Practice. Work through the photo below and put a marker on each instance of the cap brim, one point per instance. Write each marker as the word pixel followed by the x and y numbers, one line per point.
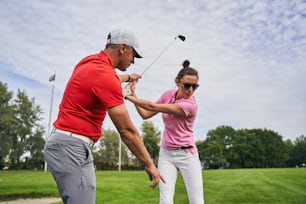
pixel 136 54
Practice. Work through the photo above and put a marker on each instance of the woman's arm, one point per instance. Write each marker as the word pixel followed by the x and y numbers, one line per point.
pixel 144 113
pixel 148 109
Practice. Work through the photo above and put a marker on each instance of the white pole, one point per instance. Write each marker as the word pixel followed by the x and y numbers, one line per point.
pixel 50 114
pixel 119 163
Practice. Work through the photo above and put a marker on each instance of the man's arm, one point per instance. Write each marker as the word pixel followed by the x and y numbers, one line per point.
pixel 129 78
pixel 130 136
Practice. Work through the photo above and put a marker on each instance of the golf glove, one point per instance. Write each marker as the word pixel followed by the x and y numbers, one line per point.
pixel 126 91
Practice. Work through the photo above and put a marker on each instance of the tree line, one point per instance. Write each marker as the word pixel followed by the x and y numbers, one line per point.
pixel 22 142
pixel 226 147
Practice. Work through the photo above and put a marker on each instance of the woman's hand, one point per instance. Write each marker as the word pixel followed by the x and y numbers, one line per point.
pixel 132 86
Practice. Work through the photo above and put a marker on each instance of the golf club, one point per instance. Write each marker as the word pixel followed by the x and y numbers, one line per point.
pixel 181 37
pixel 127 90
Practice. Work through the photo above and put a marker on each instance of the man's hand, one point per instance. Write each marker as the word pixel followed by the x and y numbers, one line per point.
pixel 126 91
pixel 129 78
pixel 154 176
pixel 134 77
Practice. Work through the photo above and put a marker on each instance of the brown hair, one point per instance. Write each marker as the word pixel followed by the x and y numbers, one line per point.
pixel 186 70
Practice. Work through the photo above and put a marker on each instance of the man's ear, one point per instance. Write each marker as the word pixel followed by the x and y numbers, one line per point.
pixel 122 49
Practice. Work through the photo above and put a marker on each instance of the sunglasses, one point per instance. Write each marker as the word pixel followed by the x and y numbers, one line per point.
pixel 187 86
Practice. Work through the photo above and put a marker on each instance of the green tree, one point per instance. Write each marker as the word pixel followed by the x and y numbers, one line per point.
pixel 201 149
pixel 107 154
pixel 27 115
pixel 289 148
pixel 218 142
pixel 7 120
pixel 298 152
pixel 35 145
pixel 151 139
pixel 201 146
pixel 245 150
pixel 226 147
pixel 274 152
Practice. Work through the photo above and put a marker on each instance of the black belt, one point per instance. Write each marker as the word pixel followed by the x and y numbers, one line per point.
pixel 185 147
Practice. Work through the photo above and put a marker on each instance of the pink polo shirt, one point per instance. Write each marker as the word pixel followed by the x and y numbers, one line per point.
pixel 178 130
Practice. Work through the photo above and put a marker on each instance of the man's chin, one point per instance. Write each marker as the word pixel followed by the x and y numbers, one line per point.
pixel 123 69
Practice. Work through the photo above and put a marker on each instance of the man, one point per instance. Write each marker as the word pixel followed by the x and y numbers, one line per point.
pixel 93 90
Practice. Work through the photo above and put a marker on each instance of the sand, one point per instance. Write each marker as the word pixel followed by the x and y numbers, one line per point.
pixel 33 201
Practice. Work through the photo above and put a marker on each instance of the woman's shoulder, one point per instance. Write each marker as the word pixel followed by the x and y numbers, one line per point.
pixel 170 92
pixel 167 96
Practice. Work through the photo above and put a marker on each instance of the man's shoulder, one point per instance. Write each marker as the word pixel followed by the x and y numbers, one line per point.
pixel 102 57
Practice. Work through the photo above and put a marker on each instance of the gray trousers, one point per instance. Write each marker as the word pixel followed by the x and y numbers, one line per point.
pixel 71 163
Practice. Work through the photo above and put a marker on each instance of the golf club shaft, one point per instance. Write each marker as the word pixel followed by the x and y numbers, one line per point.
pixel 158 56
pixel 127 90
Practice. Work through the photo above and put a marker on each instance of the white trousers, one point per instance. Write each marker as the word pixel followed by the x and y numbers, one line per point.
pixel 170 161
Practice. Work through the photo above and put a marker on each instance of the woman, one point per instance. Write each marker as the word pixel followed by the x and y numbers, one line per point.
pixel 178 150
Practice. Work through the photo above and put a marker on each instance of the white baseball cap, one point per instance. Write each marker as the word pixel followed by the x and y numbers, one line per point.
pixel 122 36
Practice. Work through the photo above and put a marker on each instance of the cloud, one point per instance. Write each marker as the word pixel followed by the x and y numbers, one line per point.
pixel 250 55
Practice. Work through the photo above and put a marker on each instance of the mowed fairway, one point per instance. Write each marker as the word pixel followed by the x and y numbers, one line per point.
pixel 244 186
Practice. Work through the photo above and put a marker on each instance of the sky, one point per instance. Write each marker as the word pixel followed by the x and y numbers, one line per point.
pixel 251 55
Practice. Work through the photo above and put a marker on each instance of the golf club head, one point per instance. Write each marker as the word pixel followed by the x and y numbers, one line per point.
pixel 183 38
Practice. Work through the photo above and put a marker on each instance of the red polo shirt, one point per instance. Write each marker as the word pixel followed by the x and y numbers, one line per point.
pixel 93 87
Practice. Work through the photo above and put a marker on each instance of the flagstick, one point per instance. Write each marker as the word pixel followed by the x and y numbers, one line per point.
pixel 119 163
pixel 50 114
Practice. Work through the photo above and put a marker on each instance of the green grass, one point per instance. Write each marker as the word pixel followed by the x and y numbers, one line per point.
pixel 26 184
pixel 241 186
pixel 250 186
